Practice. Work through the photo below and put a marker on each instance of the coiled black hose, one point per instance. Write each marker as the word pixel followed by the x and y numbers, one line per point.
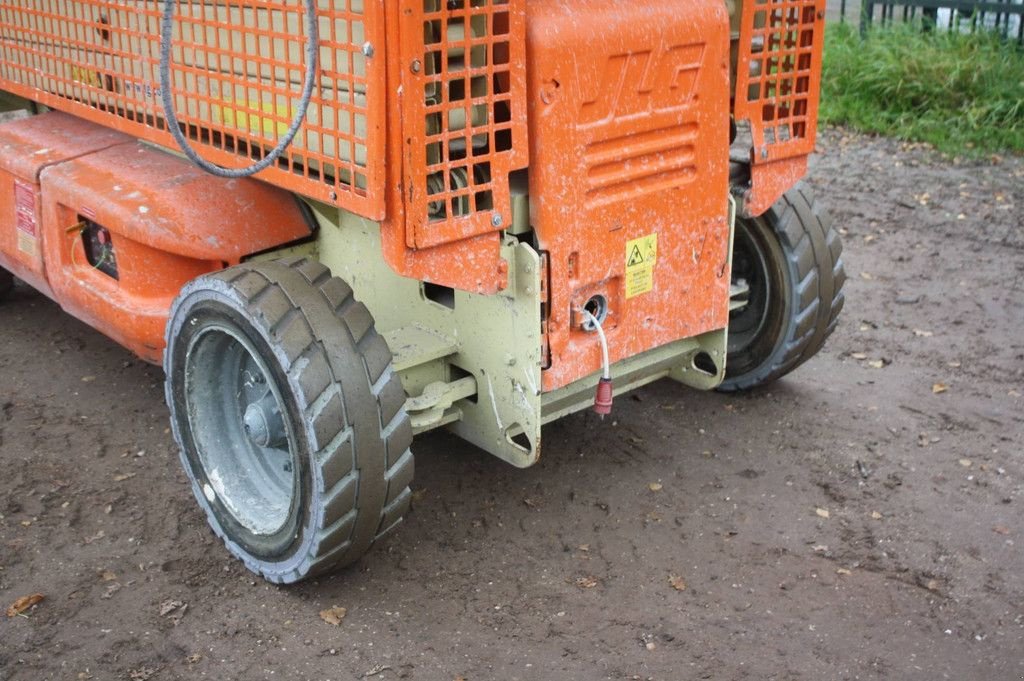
pixel 171 116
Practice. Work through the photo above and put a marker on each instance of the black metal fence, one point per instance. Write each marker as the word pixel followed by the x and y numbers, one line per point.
pixel 1005 17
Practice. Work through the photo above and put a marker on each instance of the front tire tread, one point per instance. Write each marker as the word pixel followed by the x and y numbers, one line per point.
pixel 813 250
pixel 344 402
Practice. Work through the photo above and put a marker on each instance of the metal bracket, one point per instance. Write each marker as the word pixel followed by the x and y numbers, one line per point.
pixel 428 409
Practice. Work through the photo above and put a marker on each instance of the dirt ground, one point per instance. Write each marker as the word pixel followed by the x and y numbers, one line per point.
pixel 861 519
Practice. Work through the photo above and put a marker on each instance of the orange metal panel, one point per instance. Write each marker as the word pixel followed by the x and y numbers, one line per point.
pixel 27 146
pixel 769 181
pixel 169 223
pixel 237 70
pixel 629 148
pixel 166 203
pixel 458 117
pixel 462 131
pixel 778 83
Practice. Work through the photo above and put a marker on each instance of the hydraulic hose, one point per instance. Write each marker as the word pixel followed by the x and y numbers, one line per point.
pixel 171 116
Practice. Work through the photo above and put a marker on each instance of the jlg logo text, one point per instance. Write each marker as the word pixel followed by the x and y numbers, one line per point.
pixel 641 83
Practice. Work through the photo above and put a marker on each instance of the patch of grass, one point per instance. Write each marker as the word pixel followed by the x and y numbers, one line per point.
pixel 964 94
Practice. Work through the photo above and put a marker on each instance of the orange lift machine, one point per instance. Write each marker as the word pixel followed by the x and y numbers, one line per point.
pixel 339 223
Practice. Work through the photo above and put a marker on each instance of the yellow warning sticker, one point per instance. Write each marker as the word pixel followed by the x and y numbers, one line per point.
pixel 641 256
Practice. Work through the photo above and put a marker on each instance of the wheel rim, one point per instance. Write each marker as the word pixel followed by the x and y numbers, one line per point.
pixel 750 266
pixel 243 435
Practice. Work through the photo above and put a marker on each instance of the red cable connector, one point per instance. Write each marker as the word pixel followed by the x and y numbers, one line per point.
pixel 603 399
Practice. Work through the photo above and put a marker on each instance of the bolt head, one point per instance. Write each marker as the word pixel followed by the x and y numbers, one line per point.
pixel 256 426
pixel 496 219
pixel 368 50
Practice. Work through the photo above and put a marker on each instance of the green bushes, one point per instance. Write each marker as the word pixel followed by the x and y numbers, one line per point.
pixel 961 93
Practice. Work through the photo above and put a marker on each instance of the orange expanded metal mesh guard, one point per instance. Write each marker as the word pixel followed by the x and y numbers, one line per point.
pixel 777 88
pixel 237 71
pixel 465 116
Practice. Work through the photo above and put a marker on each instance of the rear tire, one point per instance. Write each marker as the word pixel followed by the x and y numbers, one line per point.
pixel 289 416
pixel 791 259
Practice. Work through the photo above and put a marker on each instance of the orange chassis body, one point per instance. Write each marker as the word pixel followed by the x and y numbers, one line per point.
pixel 430 118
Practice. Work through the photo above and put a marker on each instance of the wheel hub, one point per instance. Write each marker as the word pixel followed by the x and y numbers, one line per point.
pixel 750 291
pixel 264 424
pixel 241 430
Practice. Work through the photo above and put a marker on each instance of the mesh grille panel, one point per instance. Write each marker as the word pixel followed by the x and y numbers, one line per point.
pixel 778 75
pixel 237 75
pixel 467 115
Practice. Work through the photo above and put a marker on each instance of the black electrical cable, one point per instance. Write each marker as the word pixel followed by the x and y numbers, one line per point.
pixel 171 116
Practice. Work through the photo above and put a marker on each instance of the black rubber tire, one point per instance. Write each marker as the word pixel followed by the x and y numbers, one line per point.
pixel 345 401
pixel 6 283
pixel 805 278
